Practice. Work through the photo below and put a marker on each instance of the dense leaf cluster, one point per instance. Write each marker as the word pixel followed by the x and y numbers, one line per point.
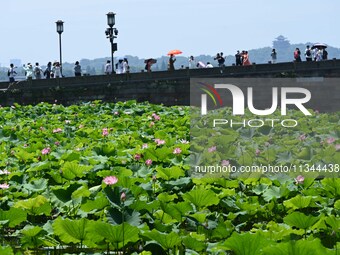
pixel 55 162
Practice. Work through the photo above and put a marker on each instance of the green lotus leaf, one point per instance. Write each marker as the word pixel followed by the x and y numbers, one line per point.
pixel 35 206
pixel 298 202
pixel 117 216
pixel 337 205
pixel 13 216
pixel 176 211
pixel 37 185
pixel 71 170
pixel 75 231
pixel 6 250
pixel 201 197
pixel 40 166
pixel 83 191
pixel 305 154
pixel 167 241
pixel 275 192
pixel 71 156
pixel 119 235
pixel 333 222
pixel 246 244
pixel 169 173
pixel 332 185
pixel 165 197
pixel 98 203
pixel 141 205
pixel 193 243
pixel 300 247
pixel 61 195
pixel 300 220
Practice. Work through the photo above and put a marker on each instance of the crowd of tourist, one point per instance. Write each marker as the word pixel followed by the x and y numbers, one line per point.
pixel 122 66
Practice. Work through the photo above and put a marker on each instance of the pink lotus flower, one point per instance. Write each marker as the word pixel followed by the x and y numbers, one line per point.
pixel 156 117
pixel 225 162
pixel 330 140
pixel 145 145
pixel 57 143
pixel 57 130
pixel 212 149
pixel 159 141
pixel 123 196
pixel 148 162
pixel 337 147
pixel 177 151
pixel 299 179
pixel 116 113
pixel 302 137
pixel 110 180
pixel 4 186
pixel 137 157
pixel 46 151
pixel 257 152
pixel 105 132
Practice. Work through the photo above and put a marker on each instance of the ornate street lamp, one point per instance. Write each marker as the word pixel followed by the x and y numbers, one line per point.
pixel 60 30
pixel 111 19
pixel 111 33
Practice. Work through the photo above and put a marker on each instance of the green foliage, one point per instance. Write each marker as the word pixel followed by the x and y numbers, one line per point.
pixel 59 199
pixel 246 244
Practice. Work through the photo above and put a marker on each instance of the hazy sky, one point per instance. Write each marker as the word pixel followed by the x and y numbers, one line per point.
pixel 150 28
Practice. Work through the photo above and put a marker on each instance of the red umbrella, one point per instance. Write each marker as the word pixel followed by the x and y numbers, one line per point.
pixel 174 52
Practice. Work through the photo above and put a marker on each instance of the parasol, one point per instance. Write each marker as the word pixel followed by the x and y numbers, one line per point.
pixel 319 46
pixel 152 60
pixel 174 52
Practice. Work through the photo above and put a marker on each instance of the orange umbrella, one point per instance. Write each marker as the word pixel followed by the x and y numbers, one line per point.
pixel 174 52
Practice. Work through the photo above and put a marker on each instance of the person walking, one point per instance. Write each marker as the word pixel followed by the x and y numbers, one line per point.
pixel 171 63
pixel 324 54
pixel 192 62
pixel 77 69
pixel 108 67
pixel 274 56
pixel 119 66
pixel 48 70
pixel 28 70
pixel 220 59
pixel 126 67
pixel 238 60
pixel 56 70
pixel 245 57
pixel 297 55
pixel 11 73
pixel 308 54
pixel 37 71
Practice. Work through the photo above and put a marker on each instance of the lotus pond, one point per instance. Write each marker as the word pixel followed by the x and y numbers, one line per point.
pixel 100 178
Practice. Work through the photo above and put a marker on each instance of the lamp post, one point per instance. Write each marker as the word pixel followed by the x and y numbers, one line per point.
pixel 60 30
pixel 111 33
